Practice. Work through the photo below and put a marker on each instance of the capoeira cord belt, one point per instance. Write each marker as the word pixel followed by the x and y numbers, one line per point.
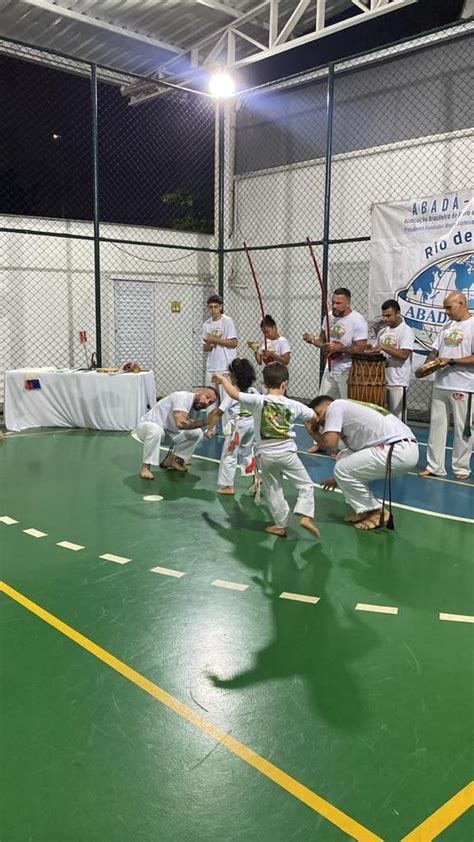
pixel 404 405
pixel 168 455
pixel 467 426
pixel 388 486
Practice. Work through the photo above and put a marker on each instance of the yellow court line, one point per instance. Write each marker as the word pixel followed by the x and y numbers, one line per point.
pixel 443 817
pixel 286 782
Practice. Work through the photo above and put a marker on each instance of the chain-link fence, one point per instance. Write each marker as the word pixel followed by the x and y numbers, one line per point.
pixel 312 155
pixel 130 262
pixel 111 218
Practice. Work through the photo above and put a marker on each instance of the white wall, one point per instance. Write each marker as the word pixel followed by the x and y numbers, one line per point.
pixel 286 205
pixel 47 294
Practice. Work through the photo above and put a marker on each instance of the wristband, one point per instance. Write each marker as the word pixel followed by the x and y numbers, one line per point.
pixel 452 362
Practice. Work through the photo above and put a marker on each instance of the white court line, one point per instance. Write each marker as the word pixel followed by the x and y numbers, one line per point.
pixel 117 558
pixel 54 432
pixel 68 546
pixel 7 520
pixel 231 586
pixel 420 443
pixel 394 505
pixel 165 571
pixel 299 597
pixel 376 609
pixel 315 484
pixel 35 533
pixel 86 429
pixel 457 618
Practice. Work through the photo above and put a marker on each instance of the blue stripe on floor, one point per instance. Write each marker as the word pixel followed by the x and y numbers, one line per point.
pixel 433 495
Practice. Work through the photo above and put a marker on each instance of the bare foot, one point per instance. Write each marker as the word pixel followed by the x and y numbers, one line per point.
pixel 314 448
pixel 173 463
pixel 226 489
pixel 462 477
pixel 276 530
pixel 426 473
pixel 372 521
pixel 145 473
pixel 308 523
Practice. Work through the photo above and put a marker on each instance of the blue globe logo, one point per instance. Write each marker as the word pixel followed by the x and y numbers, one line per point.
pixel 421 302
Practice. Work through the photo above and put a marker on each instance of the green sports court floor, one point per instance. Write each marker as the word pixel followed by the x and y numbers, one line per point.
pixel 196 702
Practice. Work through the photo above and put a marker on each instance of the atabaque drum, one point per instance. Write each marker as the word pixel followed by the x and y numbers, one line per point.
pixel 367 379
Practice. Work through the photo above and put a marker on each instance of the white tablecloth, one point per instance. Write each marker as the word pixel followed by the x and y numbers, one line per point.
pixel 77 399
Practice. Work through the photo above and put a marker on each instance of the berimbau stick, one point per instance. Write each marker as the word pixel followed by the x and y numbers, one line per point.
pixel 324 295
pixel 259 294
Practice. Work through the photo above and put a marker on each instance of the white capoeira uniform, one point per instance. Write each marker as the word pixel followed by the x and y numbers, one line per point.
pixel 274 417
pixel 368 435
pixel 451 390
pixel 397 372
pixel 347 330
pixel 279 346
pixel 239 444
pixel 219 359
pixel 160 420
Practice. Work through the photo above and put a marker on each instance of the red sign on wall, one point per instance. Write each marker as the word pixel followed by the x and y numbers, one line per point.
pixel 82 336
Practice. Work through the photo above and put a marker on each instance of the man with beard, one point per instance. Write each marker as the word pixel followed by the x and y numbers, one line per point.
pixel 347 336
pixel 175 416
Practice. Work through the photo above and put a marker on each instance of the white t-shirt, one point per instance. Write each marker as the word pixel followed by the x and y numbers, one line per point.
pixel 278 346
pixel 274 417
pixel 397 372
pixel 362 427
pixel 219 358
pixel 162 412
pixel 347 330
pixel 232 411
pixel 456 340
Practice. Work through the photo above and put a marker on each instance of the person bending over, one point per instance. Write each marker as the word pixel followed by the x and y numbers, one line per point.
pixel 274 418
pixel 371 438
pixel 238 449
pixel 176 416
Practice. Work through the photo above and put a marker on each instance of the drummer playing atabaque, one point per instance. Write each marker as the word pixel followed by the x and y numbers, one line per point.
pixel 347 336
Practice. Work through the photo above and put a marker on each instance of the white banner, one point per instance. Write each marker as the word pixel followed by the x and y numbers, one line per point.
pixel 421 250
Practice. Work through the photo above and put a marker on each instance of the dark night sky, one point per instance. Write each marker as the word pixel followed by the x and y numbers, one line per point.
pixel 151 150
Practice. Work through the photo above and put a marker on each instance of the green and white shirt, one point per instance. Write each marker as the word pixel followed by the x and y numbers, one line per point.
pixel 274 418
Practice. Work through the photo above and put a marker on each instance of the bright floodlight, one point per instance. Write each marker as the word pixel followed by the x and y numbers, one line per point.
pixel 221 85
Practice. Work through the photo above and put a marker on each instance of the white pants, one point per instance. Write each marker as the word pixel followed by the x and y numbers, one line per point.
pixel 444 402
pixel 151 435
pixel 220 389
pixel 354 470
pixel 334 385
pixel 290 466
pixel 241 456
pixel 395 399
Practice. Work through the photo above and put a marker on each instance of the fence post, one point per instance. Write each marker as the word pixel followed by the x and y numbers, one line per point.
pixel 327 194
pixel 95 182
pixel 220 199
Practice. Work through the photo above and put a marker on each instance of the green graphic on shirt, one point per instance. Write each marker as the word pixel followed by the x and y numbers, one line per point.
pixel 215 332
pixel 276 421
pixel 453 338
pixel 380 409
pixel 337 331
pixel 389 341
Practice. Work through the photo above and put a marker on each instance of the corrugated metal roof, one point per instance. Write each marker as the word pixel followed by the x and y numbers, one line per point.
pixel 139 36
